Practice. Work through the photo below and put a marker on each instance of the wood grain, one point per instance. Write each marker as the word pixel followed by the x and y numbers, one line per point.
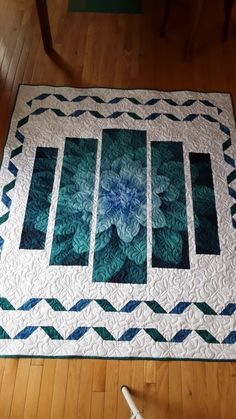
pixel 20 388
pixel 85 393
pixel 72 390
pixel 115 51
pixel 32 396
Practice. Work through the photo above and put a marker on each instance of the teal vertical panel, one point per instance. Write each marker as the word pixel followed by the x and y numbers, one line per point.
pixel 205 217
pixel 71 240
pixel 36 216
pixel 121 233
pixel 170 247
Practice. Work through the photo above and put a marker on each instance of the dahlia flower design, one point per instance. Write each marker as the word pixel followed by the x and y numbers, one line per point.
pixel 121 225
pixel 121 237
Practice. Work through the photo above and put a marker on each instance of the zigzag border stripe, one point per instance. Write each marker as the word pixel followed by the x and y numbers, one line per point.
pixel 127 336
pixel 118 99
pixel 129 307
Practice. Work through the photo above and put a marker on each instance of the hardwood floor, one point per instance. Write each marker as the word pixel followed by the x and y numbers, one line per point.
pixel 116 51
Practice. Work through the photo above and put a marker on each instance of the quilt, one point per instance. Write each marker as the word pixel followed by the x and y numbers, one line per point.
pixel 118 225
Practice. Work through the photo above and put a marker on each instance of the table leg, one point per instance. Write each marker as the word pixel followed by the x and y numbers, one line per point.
pixel 195 25
pixel 228 11
pixel 166 16
pixel 44 25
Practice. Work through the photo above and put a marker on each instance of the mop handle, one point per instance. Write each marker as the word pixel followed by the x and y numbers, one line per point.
pixel 135 412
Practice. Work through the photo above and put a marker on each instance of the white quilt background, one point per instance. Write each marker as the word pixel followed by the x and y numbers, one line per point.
pixel 26 274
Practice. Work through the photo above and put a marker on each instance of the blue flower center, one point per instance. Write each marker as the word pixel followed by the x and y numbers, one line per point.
pixel 124 198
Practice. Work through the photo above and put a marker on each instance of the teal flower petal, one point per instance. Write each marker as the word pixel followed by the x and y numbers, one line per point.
pixel 86 185
pixel 156 159
pixel 70 164
pixel 66 225
pixel 160 184
pixel 171 194
pixel 158 218
pixel 103 223
pixel 140 155
pixel 60 248
pixel 129 165
pixel 127 229
pixel 108 179
pixel 80 241
pixel 135 273
pixel 81 201
pixel 174 171
pixel 86 217
pixel 103 239
pixel 85 165
pixel 175 214
pixel 163 154
pixel 168 246
pixel 41 222
pixel 136 176
pixel 142 215
pixel 116 150
pixel 105 207
pixel 136 250
pixel 156 201
pixel 108 262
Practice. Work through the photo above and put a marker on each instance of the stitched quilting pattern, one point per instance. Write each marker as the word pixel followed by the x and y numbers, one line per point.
pixel 117 225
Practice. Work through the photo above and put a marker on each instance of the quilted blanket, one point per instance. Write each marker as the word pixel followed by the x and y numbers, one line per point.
pixel 118 225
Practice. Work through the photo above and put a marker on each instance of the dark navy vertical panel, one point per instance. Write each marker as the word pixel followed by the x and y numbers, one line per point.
pixel 170 247
pixel 39 199
pixel 205 217
pixel 72 231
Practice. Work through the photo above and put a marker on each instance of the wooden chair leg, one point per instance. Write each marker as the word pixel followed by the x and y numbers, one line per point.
pixel 166 17
pixel 44 25
pixel 228 12
pixel 195 25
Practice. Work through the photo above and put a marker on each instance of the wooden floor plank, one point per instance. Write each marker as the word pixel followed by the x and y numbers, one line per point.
pixel 97 405
pixel 7 387
pixel 150 372
pixel 111 390
pixel 137 383
pixel 124 379
pixel 59 389
pixel 151 407
pixel 72 390
pixel 2 367
pixel 32 396
pixel 225 389
pixel 188 395
pixel 20 389
pixel 200 391
pixel 99 375
pixel 175 390
pixel 37 361
pixel 46 389
pixel 162 389
pixel 232 372
pixel 213 390
pixel 85 389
